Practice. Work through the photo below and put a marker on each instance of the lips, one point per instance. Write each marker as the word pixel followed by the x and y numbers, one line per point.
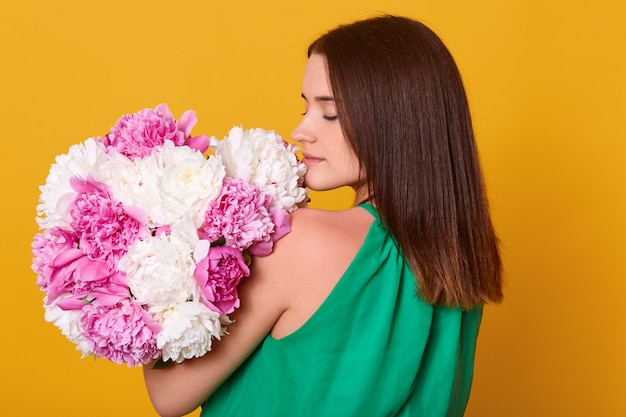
pixel 309 159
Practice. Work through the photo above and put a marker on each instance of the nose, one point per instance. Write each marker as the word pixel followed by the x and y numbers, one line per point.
pixel 302 133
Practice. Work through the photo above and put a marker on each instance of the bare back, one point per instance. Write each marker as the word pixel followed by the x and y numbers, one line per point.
pixel 282 293
pixel 327 241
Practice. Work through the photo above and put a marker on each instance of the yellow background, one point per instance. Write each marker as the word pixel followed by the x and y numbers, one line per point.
pixel 547 85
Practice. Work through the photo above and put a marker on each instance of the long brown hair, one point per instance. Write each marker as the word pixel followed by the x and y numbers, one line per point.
pixel 403 109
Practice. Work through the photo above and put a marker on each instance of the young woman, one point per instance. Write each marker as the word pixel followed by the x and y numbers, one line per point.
pixel 375 310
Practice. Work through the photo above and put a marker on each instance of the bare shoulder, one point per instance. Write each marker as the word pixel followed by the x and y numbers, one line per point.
pixel 312 225
pixel 317 232
pixel 308 262
pixel 320 240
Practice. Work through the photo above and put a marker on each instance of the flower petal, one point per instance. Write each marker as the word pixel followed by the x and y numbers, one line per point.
pixel 92 270
pixel 75 302
pixel 199 143
pixel 67 257
pixel 187 121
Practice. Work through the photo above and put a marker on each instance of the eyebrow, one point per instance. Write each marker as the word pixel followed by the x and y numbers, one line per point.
pixel 320 98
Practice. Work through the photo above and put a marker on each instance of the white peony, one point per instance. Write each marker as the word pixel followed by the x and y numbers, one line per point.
pixel 57 193
pixel 262 157
pixel 68 321
pixel 124 177
pixel 187 330
pixel 160 269
pixel 187 183
pixel 171 183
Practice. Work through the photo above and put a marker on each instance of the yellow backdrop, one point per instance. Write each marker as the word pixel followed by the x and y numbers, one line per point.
pixel 547 86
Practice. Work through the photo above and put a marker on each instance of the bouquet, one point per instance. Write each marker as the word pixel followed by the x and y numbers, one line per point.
pixel 146 233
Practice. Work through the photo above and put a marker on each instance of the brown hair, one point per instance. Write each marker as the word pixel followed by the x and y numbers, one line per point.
pixel 403 109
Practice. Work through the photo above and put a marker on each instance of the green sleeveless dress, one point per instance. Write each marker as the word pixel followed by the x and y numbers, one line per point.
pixel 372 349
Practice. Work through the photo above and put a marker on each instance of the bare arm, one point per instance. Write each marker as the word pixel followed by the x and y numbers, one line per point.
pixel 180 388
pixel 284 290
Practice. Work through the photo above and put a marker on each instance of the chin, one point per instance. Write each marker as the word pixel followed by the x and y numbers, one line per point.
pixel 315 185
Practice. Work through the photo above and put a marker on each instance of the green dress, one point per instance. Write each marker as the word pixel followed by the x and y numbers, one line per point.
pixel 372 349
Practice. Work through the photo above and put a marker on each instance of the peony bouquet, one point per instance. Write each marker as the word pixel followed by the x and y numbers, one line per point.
pixel 146 233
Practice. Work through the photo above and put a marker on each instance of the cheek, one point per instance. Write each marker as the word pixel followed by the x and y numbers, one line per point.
pixel 351 164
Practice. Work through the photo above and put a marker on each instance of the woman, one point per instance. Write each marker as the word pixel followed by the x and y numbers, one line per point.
pixel 375 310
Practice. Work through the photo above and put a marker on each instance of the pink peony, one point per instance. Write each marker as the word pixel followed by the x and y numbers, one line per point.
pixel 218 275
pixel 282 226
pixel 74 273
pixel 122 333
pixel 115 291
pixel 240 215
pixel 46 247
pixel 105 229
pixel 137 134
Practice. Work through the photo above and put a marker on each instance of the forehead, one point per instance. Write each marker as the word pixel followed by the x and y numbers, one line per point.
pixel 315 81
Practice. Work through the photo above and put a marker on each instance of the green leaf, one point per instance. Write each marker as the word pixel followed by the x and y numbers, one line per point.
pixel 161 364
